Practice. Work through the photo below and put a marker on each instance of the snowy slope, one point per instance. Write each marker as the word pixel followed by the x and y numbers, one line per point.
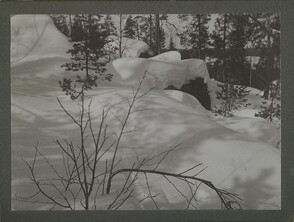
pixel 234 160
pixel 31 36
pixel 244 120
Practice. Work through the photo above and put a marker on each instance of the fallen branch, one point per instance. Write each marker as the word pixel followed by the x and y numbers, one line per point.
pixel 225 196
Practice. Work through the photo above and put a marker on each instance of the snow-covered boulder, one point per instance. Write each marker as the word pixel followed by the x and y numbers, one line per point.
pixel 161 72
pixel 168 56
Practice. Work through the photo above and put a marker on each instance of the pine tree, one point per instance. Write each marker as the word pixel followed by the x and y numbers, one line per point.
pixel 171 45
pixel 232 97
pixel 109 26
pixel 129 30
pixel 196 35
pixel 87 55
pixel 271 107
pixel 222 41
pixel 239 66
pixel 120 35
pixel 111 35
pixel 152 33
pixel 147 30
pixel 230 39
pixel 266 37
pixel 161 34
pixel 61 23
pixel 216 67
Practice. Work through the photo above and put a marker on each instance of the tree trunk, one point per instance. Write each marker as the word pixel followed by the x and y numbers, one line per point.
pixel 86 47
pixel 120 36
pixel 138 31
pixel 150 32
pixel 157 34
pixel 269 66
pixel 199 34
pixel 70 25
pixel 224 50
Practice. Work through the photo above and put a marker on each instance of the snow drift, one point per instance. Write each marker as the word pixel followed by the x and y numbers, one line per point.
pixel 235 161
pixel 32 35
pixel 161 71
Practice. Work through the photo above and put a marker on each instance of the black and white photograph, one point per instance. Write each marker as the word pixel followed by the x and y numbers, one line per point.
pixel 145 111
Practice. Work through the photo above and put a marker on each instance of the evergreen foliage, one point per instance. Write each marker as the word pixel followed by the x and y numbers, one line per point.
pixel 149 32
pixel 266 38
pixel 111 35
pixel 232 97
pixel 195 35
pixel 89 37
pixel 171 45
pixel 237 43
pixel 129 30
pixel 61 23
pixel 271 107
pixel 224 47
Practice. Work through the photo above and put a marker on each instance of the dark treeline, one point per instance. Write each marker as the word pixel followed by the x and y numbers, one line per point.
pixel 238 48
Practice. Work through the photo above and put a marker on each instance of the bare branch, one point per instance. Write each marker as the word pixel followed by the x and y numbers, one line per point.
pixel 223 195
pixel 67 113
pixel 149 191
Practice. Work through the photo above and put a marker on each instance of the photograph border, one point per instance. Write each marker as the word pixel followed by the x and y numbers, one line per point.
pixel 286 10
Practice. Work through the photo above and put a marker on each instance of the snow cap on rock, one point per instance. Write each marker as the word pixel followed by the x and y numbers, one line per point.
pixel 162 70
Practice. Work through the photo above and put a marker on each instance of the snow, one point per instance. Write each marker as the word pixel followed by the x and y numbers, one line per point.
pixel 254 127
pixel 236 151
pixel 234 160
pixel 168 56
pixel 161 71
pixel 245 121
pixel 32 35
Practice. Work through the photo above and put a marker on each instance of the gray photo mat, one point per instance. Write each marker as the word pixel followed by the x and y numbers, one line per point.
pixel 286 10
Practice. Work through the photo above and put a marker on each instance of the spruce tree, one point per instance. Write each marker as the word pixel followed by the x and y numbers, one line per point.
pixel 271 107
pixel 266 38
pixel 152 32
pixel 230 39
pixel 232 97
pixel 216 66
pixel 129 30
pixel 111 36
pixel 61 23
pixel 196 35
pixel 171 45
pixel 239 66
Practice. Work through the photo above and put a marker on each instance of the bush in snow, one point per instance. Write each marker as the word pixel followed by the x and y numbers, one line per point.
pixel 231 97
pixel 271 107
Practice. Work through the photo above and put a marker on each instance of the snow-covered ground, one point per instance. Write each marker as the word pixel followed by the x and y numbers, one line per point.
pixel 239 152
pixel 244 120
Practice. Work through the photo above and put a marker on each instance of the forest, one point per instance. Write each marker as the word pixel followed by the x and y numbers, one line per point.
pixel 240 50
